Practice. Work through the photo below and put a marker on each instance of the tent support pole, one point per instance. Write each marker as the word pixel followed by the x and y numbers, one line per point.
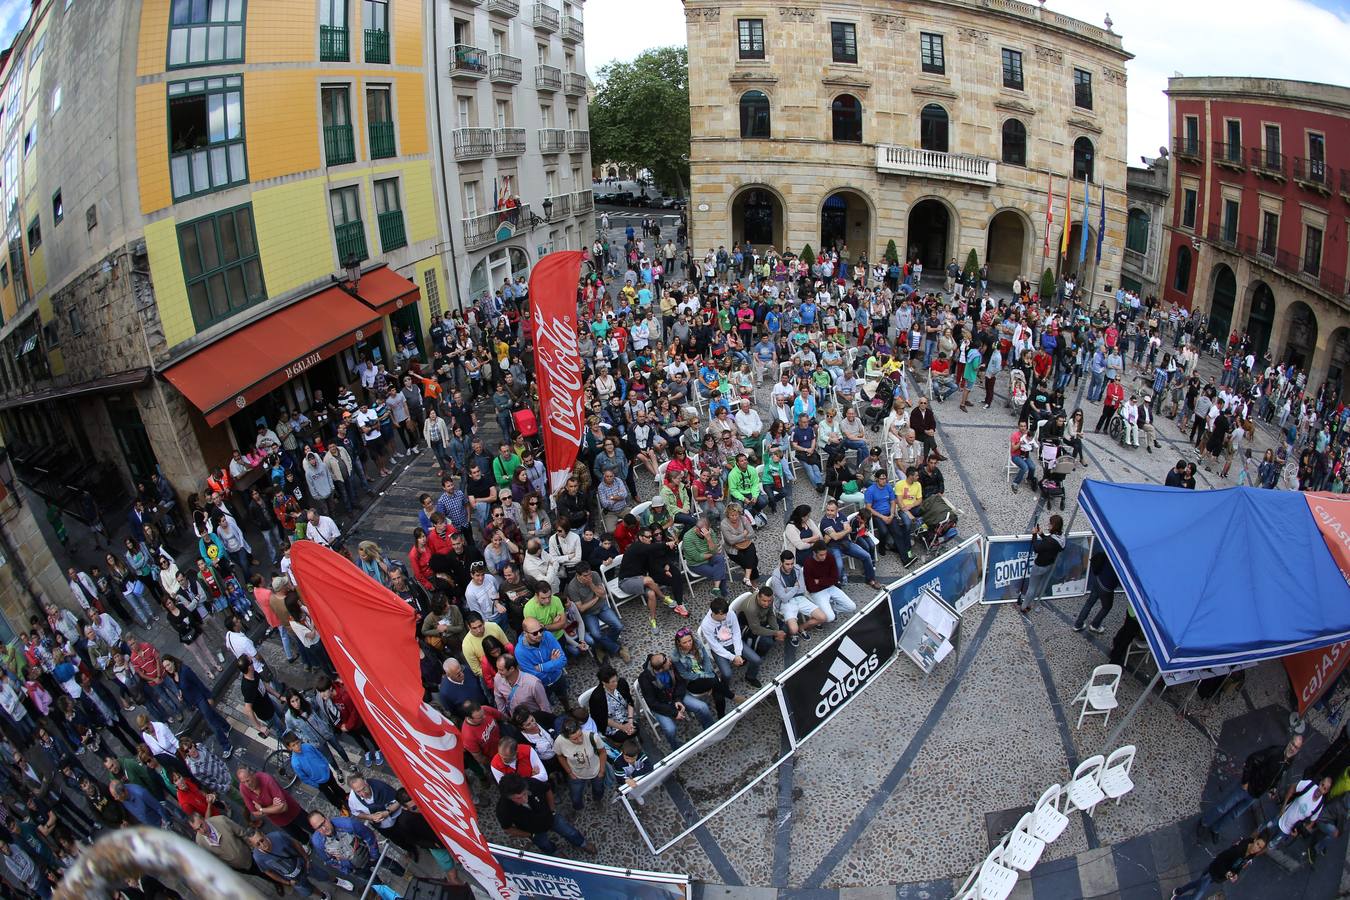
pixel 1120 726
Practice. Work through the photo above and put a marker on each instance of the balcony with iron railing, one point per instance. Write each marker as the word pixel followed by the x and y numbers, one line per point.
pixel 578 141
pixel 1187 148
pixel 1312 174
pixel 1345 184
pixel 485 229
pixel 559 206
pixel 1266 163
pixel 472 143
pixel 392 233
pixel 574 84
pixel 504 69
pixel 571 29
pixel 377 45
pixel 1229 155
pixel 468 62
pixel 547 78
pixel 382 140
pixel 583 202
pixel 508 141
pixel 552 140
pixel 338 145
pixel 333 43
pixel 507 8
pixel 351 240
pixel 892 160
pixel 545 17
pixel 1267 255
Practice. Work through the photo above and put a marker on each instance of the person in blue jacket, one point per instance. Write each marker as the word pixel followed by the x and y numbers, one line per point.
pixel 540 654
pixel 312 768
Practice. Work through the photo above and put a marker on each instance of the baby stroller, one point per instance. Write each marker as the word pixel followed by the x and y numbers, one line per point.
pixel 937 520
pixel 1017 390
pixel 1055 467
pixel 879 404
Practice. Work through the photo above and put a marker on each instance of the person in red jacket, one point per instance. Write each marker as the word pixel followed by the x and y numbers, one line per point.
pixel 1115 396
pixel 191 798
pixel 821 574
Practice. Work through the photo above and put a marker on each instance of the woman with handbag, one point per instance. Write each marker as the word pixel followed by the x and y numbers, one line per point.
pixel 738 534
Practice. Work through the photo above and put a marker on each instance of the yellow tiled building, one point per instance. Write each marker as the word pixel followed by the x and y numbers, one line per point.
pixel 185 184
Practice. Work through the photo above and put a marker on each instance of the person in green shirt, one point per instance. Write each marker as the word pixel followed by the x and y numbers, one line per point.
pixel 743 484
pixel 131 769
pixel 504 466
pixel 774 481
pixel 548 608
pixel 703 556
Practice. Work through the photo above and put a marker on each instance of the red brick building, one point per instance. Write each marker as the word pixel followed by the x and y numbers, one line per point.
pixel 1257 221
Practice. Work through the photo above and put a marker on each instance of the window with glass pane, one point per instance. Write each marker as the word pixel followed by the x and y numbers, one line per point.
pixel 754 115
pixel 348 229
pixel 1312 250
pixel 220 265
pixel 844 42
pixel 206 135
pixel 1272 148
pixel 390 215
pixel 750 34
pixel 1317 157
pixel 1232 150
pixel 379 116
pixel 1188 197
pixel 846 118
pixel 1136 231
pixel 1014 143
pixel 339 147
pixel 1270 232
pixel 1192 127
pixel 1230 221
pixel 1012 69
pixel 1082 88
pixel 333 44
pixel 1082 159
pixel 202 32
pixel 931 54
pixel 375 18
pixel 933 128
pixel 1181 272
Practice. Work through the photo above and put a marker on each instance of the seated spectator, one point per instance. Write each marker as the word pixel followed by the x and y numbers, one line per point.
pixel 611 706
pixel 822 584
pixel 721 632
pixel 666 694
pixel 791 602
pixel 944 383
pixel 702 554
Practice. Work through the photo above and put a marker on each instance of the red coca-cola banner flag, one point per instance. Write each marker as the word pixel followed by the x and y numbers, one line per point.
pixel 1312 671
pixel 368 633
pixel 557 362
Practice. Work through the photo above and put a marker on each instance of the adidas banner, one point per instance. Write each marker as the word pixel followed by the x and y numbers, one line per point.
pixel 839 670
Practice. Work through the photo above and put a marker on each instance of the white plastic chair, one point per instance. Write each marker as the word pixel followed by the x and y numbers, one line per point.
pixel 1139 649
pixel 1098 696
pixel 1008 468
pixel 1115 780
pixel 1020 848
pixel 997 879
pixel 642 512
pixel 741 605
pixel 661 474
pixel 691 577
pixel 1049 822
pixel 1084 792
pixel 584 700
pixel 616 593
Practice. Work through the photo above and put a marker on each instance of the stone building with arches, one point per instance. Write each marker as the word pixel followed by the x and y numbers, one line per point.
pixel 939 126
pixel 1256 226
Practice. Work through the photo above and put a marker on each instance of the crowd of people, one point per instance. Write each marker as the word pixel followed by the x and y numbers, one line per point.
pixel 738 388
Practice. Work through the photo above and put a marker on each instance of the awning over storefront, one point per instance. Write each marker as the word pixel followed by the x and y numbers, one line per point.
pixel 224 377
pixel 102 385
pixel 386 291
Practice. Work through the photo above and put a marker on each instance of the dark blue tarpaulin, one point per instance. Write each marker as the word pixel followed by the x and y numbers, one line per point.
pixel 1220 577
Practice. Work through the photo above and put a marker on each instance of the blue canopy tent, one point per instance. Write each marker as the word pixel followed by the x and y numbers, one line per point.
pixel 1220 578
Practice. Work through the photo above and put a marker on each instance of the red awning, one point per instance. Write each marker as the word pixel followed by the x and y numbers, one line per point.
pixel 386 291
pixel 226 376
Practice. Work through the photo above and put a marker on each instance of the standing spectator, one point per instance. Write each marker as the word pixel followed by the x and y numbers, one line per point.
pixel 1045 549
pixel 263 797
pixel 281 857
pixel 1262 774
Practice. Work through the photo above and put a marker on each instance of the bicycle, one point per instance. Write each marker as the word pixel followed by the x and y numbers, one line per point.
pixel 278 765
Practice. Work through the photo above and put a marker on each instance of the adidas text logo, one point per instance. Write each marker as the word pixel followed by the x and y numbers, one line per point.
pixel 848 671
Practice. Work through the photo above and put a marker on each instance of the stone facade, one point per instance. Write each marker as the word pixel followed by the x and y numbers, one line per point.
pixel 883 178
pixel 1147 190
pixel 28 572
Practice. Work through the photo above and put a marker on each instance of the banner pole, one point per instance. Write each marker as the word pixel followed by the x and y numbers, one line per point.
pixel 1120 726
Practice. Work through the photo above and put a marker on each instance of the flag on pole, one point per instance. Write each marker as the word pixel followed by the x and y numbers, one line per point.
pixel 1101 226
pixel 1082 241
pixel 1068 217
pixel 1049 212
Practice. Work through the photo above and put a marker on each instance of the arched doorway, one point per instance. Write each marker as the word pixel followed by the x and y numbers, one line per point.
pixel 1261 319
pixel 929 235
pixel 1338 369
pixel 1221 303
pixel 1068 264
pixel 845 219
pixel 757 218
pixel 1300 328
pixel 1006 247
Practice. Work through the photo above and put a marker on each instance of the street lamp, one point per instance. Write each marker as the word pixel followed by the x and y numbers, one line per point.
pixel 548 209
pixel 353 266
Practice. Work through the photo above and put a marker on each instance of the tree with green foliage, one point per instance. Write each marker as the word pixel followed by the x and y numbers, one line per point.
pixel 640 116
pixel 1048 284
pixel 892 254
pixel 972 266
pixel 808 254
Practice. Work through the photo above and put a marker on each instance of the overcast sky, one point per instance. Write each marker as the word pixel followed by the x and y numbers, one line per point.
pixel 1272 39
